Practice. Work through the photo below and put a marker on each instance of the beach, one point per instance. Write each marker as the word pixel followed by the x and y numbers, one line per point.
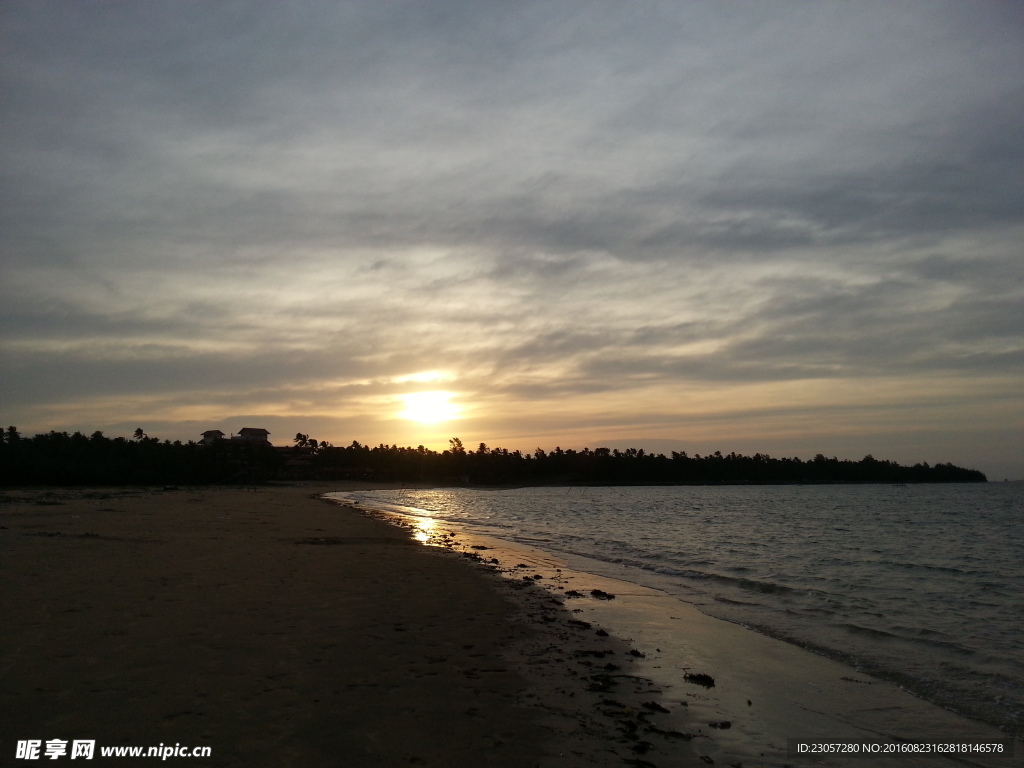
pixel 276 628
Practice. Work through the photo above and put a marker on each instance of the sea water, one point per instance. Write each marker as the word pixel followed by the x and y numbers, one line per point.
pixel 921 585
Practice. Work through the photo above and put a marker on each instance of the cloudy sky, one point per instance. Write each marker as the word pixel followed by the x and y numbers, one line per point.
pixel 790 227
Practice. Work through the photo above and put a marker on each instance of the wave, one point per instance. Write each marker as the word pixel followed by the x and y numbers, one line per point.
pixel 727 601
pixel 746 584
pixel 881 634
pixel 928 567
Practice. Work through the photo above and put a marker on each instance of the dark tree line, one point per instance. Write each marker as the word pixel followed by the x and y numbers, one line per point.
pixel 605 466
pixel 57 458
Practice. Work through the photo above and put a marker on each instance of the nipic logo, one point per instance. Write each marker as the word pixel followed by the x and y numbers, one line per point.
pixel 28 749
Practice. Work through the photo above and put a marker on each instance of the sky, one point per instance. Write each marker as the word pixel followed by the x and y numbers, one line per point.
pixel 786 226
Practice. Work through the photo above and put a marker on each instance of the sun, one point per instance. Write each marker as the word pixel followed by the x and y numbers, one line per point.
pixel 429 407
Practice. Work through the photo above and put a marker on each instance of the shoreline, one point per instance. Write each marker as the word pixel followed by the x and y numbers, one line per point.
pixel 946 634
pixel 799 693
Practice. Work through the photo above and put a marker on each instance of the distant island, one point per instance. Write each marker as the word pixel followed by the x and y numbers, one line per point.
pixel 59 458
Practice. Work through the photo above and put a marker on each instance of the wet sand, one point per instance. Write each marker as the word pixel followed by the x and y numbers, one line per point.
pixel 281 630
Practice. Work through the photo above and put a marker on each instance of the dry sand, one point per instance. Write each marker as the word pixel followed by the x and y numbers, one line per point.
pixel 281 630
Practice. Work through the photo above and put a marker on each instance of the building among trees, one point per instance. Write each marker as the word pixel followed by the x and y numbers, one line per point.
pixel 249 435
pixel 211 436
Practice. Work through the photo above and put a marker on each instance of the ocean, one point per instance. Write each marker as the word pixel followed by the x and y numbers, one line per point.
pixel 921 585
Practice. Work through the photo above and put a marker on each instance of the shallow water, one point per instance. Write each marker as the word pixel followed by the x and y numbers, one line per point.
pixel 922 585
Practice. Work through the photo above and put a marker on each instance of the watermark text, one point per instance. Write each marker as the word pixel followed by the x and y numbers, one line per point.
pixel 86 749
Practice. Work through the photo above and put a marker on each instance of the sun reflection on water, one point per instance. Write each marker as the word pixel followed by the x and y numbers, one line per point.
pixel 422 529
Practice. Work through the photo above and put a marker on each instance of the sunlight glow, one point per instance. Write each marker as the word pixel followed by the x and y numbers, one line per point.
pixel 429 407
pixel 422 376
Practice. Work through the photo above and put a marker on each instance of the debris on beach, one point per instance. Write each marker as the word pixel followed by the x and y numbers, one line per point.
pixel 601 595
pixel 654 706
pixel 700 679
pixel 670 734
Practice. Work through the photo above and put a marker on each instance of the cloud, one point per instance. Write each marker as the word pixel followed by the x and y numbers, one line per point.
pixel 281 211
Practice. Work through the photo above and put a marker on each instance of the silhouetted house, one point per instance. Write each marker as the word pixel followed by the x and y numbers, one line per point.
pixel 211 436
pixel 248 435
pixel 252 435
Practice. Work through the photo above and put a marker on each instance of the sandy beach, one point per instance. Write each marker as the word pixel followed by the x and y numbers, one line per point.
pixel 278 629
